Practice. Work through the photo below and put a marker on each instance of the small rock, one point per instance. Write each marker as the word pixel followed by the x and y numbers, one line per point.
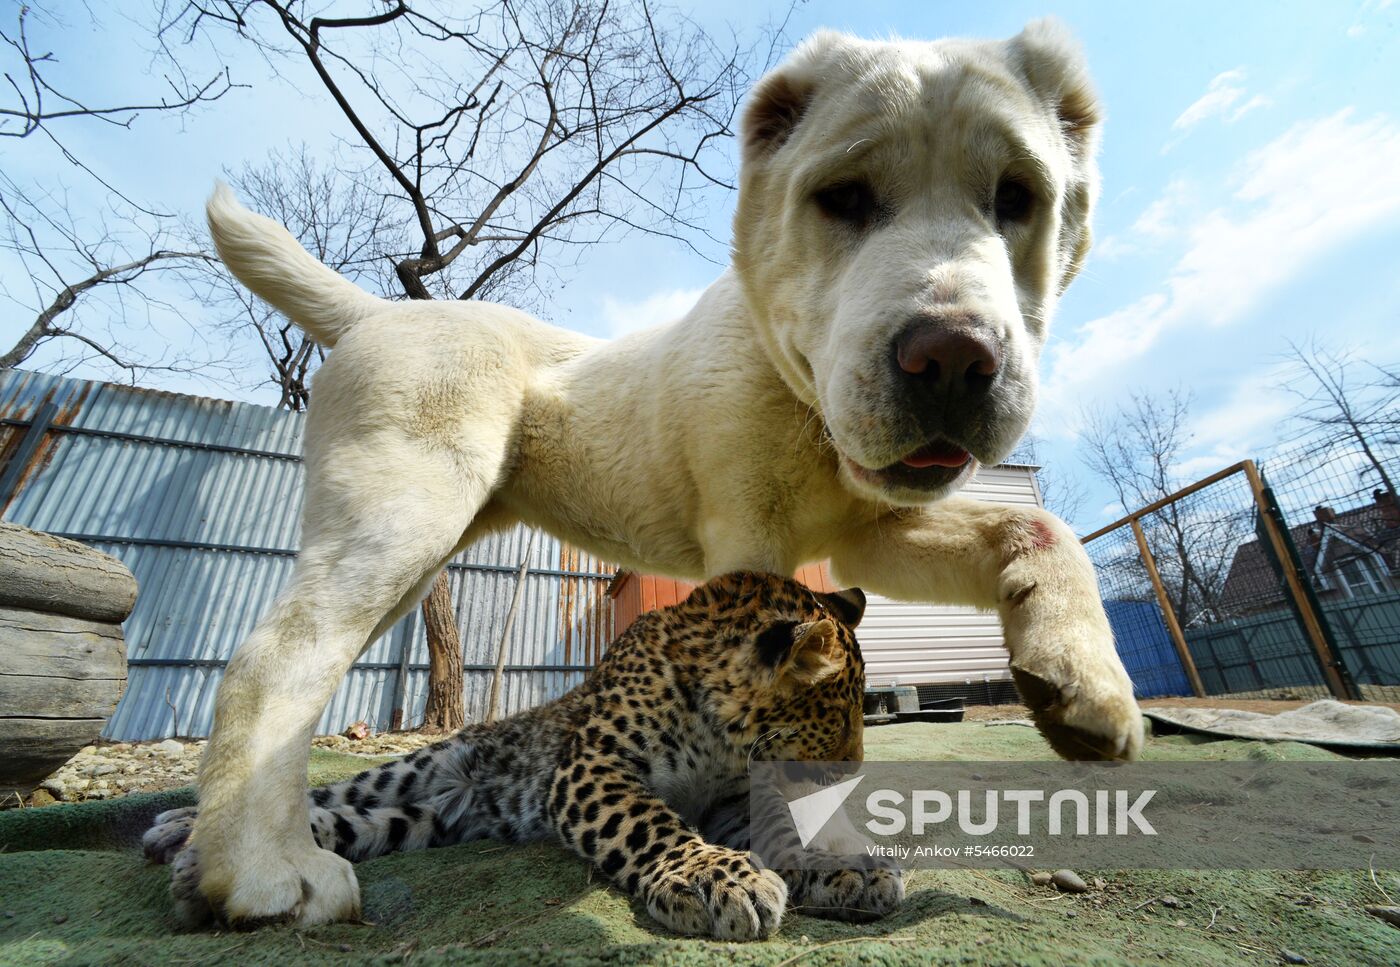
pixel 61 918
pixel 170 747
pixel 1179 924
pixel 1068 881
pixel 41 797
pixel 1099 883
pixel 1041 879
pixel 1290 957
pixel 344 948
pixel 1071 914
pixel 1170 901
pixel 1390 915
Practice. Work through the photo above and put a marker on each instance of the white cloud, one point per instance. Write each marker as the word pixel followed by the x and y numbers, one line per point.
pixel 1225 98
pixel 1319 185
pixel 1157 222
pixel 1220 96
pixel 1358 29
pixel 654 310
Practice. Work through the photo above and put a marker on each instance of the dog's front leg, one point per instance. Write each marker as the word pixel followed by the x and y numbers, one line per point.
pixel 1026 565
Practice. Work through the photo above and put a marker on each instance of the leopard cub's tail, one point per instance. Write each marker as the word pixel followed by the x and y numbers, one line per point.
pixel 272 264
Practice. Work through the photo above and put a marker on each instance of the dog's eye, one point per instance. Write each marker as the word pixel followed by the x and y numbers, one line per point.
pixel 1013 202
pixel 850 201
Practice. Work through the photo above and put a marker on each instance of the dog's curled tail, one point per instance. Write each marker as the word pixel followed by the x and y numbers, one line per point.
pixel 272 264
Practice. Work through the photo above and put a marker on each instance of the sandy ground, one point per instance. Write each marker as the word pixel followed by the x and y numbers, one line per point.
pixel 75 890
pixel 1002 713
pixel 111 769
pixel 107 770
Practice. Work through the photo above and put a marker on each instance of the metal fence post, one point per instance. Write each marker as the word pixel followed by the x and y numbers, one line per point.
pixel 494 698
pixel 1188 663
pixel 1339 681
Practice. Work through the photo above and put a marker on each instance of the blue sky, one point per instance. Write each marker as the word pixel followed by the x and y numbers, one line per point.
pixel 1250 195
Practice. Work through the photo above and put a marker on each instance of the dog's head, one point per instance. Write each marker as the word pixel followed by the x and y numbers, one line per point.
pixel 908 215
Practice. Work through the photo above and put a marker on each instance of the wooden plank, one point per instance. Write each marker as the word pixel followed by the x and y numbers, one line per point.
pixel 35 747
pixel 1159 504
pixel 1188 663
pixel 34 643
pixel 40 572
pixel 51 696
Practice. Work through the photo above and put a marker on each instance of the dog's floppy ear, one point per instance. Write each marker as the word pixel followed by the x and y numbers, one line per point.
pixel 1052 63
pixel 780 100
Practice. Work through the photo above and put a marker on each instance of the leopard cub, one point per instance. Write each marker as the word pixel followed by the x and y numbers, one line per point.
pixel 642 769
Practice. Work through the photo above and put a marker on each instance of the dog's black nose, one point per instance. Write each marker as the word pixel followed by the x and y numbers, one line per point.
pixel 945 362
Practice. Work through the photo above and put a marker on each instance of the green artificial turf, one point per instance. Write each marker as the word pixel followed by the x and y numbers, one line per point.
pixel 75 890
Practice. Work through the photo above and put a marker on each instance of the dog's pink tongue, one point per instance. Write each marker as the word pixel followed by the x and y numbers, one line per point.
pixel 936 455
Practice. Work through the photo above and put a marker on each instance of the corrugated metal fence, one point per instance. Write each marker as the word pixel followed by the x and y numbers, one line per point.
pixel 201 500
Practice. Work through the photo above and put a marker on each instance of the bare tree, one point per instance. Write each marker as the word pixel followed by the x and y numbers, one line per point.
pixel 551 125
pixel 1060 492
pixel 1344 405
pixel 64 262
pixel 111 255
pixel 338 220
pixel 509 136
pixel 1135 450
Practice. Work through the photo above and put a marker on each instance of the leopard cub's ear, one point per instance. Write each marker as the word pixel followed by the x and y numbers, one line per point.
pixel 802 653
pixel 848 605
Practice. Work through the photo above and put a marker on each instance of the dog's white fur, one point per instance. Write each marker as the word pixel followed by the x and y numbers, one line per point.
pixel 749 434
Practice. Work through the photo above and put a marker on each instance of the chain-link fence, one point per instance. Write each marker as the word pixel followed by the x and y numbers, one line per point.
pixel 1280 581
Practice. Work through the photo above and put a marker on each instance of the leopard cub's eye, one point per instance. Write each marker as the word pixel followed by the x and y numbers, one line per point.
pixel 852 202
pixel 1014 202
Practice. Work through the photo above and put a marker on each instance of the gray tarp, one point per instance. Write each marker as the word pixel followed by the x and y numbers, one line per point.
pixel 1321 723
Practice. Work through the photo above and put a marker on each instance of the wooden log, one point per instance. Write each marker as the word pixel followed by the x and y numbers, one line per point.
pixel 60 680
pixel 40 572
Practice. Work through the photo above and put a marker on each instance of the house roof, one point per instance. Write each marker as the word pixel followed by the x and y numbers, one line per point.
pixel 1252 583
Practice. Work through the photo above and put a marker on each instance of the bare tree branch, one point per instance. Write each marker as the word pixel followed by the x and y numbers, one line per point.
pixel 33 89
pixel 1136 450
pixel 1337 408
pixel 560 122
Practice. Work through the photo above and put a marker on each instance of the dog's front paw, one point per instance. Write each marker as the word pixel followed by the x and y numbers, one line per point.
pixel 305 888
pixel 168 834
pixel 855 895
pixel 1084 710
pixel 718 893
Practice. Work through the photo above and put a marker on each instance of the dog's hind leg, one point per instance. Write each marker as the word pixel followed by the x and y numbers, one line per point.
pixel 385 510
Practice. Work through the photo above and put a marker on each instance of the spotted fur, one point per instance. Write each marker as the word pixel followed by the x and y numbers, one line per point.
pixel 642 769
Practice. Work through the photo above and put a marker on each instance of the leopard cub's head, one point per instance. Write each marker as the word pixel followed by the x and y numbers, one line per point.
pixel 785 673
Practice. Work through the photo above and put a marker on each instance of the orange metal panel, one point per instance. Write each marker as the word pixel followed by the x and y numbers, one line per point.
pixel 635 593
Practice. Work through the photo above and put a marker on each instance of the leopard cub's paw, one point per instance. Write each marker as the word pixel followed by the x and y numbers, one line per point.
pixel 858 896
pixel 718 894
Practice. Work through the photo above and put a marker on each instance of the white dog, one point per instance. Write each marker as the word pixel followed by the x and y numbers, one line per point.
pixel 908 215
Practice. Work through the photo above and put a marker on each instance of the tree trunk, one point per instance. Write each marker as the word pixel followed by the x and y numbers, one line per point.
pixel 445 710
